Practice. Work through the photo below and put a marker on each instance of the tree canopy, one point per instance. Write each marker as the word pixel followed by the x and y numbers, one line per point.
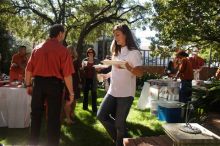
pixel 80 17
pixel 187 22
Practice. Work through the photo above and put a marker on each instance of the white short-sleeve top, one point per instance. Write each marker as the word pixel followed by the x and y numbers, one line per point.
pixel 123 82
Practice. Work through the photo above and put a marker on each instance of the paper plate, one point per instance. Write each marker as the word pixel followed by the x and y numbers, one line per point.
pixel 100 66
pixel 113 62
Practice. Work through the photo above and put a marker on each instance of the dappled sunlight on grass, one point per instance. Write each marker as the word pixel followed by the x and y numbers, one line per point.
pixel 66 130
pixel 142 123
pixel 88 130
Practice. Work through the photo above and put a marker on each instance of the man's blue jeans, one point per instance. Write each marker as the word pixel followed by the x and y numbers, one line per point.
pixel 112 114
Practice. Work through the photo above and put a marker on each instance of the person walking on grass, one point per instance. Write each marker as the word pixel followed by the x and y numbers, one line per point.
pixel 117 102
pixel 49 64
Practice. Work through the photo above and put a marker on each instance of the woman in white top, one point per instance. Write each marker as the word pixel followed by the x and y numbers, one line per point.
pixel 115 106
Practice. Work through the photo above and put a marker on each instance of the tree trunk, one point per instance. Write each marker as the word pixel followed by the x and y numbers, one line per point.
pixel 80 43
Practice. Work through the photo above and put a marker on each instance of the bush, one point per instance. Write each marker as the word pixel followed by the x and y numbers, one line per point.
pixel 209 99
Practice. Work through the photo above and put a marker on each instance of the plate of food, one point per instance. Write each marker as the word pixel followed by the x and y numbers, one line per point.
pixel 100 66
pixel 208 82
pixel 114 62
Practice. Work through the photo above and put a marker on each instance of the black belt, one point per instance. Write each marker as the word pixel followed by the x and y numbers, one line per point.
pixel 47 78
pixel 187 80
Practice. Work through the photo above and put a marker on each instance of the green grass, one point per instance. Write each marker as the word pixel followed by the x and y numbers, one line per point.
pixel 88 130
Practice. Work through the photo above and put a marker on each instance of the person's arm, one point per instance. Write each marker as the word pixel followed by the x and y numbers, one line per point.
pixel 106 76
pixel 69 85
pixel 176 76
pixel 201 63
pixel 181 69
pixel 137 70
pixel 84 63
pixel 134 63
pixel 28 84
pixel 14 62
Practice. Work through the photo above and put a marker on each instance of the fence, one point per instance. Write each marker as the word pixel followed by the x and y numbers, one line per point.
pixel 154 61
pixel 160 61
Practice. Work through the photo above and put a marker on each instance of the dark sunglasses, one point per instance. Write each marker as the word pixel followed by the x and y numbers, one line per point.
pixel 90 52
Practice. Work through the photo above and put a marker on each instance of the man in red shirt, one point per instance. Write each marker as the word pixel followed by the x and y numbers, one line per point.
pixel 185 73
pixel 49 64
pixel 18 64
pixel 197 63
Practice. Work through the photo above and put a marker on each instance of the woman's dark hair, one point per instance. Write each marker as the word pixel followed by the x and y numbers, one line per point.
pixel 55 30
pixel 130 43
pixel 90 49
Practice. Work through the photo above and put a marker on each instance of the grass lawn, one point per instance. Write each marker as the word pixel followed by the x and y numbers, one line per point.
pixel 88 131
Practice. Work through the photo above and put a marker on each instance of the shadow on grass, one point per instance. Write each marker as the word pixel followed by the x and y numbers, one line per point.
pixel 14 136
pixel 142 131
pixel 87 130
pixel 84 134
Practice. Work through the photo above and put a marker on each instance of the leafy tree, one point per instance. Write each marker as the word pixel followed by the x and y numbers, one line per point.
pixel 5 45
pixel 188 22
pixel 79 17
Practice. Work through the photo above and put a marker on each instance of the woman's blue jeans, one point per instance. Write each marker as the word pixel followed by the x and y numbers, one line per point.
pixel 112 114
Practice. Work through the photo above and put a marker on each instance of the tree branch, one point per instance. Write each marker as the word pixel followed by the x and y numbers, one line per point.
pixel 132 8
pixel 109 1
pixel 44 16
pixel 61 16
pixel 53 9
pixel 105 9
pixel 19 8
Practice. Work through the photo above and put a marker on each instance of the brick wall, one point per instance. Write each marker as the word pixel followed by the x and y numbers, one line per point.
pixel 205 73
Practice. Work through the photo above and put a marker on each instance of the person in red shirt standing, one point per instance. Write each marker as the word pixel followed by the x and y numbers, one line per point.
pixel 185 73
pixel 18 64
pixel 197 63
pixel 49 64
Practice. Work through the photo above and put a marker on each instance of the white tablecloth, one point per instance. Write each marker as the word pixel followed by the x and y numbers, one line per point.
pixel 15 107
pixel 156 92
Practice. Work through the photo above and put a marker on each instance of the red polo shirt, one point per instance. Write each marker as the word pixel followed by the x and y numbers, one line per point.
pixel 50 59
pixel 197 62
pixel 185 69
